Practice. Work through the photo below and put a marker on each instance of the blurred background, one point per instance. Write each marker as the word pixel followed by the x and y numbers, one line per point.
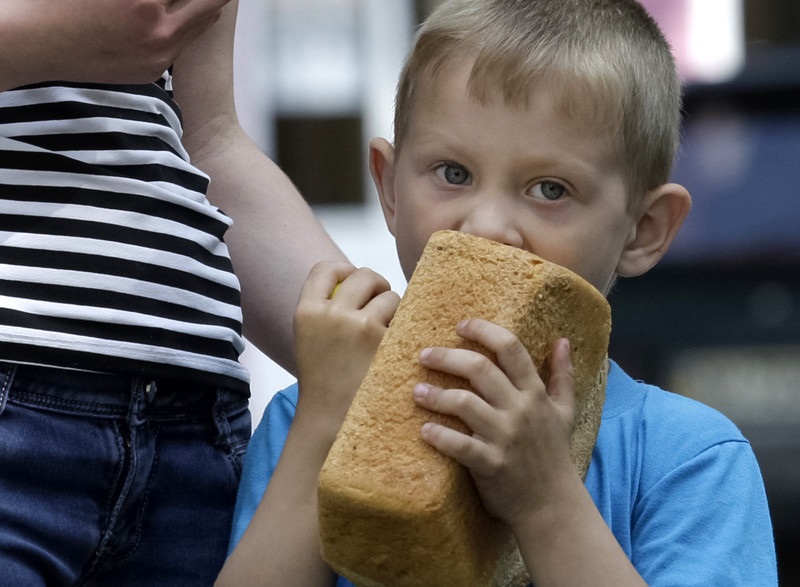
pixel 718 320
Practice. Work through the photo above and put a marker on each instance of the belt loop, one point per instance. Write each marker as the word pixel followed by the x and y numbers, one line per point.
pixel 140 398
pixel 5 385
pixel 221 422
pixel 150 391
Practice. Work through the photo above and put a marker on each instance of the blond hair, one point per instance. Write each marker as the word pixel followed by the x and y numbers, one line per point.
pixel 608 58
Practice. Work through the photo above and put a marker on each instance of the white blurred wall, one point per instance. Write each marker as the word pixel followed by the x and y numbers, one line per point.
pixel 383 29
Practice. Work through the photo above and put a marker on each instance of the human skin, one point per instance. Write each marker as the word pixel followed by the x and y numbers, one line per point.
pixel 275 238
pixel 524 176
pixel 103 41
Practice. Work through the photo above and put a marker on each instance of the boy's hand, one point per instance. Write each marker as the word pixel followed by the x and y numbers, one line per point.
pixel 519 450
pixel 336 337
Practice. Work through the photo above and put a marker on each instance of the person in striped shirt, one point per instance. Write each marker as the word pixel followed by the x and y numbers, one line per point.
pixel 128 192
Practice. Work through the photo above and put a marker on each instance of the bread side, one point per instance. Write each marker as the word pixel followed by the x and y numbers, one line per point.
pixel 393 510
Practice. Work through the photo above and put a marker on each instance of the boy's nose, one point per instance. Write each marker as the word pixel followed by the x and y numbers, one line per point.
pixel 495 221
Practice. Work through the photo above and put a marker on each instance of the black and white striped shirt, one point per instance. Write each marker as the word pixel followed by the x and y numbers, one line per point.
pixel 111 257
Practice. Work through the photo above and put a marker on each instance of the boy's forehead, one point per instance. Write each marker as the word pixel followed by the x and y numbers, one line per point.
pixel 446 108
pixel 574 98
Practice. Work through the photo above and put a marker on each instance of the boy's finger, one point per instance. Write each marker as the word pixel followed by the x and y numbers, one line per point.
pixel 465 449
pixel 487 379
pixel 561 385
pixel 469 407
pixel 512 356
pixel 384 306
pixel 358 288
pixel 323 278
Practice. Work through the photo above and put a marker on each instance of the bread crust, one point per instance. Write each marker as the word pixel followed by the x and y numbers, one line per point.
pixel 392 509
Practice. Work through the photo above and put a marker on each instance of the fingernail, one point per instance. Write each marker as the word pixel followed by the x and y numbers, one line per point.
pixel 424 354
pixel 420 391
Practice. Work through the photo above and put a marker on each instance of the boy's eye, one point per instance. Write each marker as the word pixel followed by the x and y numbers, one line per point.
pixel 452 173
pixel 549 190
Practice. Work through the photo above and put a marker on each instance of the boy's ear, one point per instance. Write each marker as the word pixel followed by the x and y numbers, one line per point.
pixel 662 213
pixel 381 168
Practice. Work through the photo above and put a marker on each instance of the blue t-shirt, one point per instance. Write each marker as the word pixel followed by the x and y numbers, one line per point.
pixel 675 481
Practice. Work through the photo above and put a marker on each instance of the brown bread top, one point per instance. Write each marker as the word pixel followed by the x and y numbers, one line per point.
pixel 393 510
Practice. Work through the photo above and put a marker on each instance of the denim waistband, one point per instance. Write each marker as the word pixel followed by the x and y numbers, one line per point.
pixel 107 394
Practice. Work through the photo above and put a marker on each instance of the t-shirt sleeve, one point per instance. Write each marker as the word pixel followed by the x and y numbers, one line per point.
pixel 261 459
pixel 706 522
pixel 680 488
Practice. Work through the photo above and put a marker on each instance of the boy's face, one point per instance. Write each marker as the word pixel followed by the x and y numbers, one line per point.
pixel 526 176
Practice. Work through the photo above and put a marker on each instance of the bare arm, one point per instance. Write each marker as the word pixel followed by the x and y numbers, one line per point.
pixel 109 41
pixel 281 543
pixel 568 543
pixel 276 238
pixel 336 340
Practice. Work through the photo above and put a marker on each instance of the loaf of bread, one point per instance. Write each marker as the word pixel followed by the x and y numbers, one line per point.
pixel 393 511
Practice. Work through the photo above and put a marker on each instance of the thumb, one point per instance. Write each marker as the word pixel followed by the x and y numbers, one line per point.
pixel 561 385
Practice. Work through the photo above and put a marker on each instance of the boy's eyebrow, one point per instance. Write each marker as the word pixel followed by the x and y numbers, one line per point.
pixel 576 172
pixel 581 165
pixel 564 165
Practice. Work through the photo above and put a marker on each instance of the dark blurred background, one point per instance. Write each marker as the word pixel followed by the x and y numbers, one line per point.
pixel 719 319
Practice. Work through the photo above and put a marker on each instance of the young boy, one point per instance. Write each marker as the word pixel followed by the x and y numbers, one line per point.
pixel 549 125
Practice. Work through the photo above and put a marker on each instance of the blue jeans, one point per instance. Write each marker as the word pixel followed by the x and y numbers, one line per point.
pixel 111 480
